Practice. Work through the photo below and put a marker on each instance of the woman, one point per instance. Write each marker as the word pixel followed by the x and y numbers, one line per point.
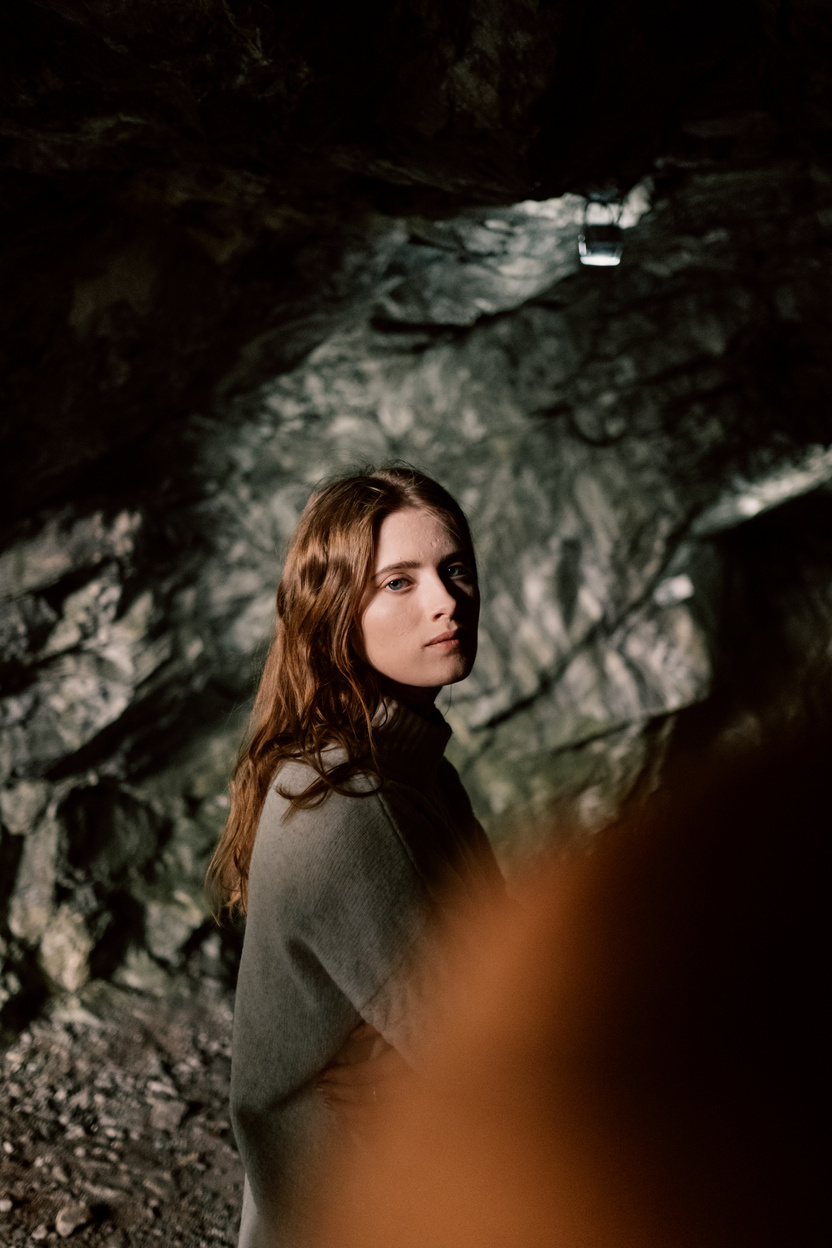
pixel 346 823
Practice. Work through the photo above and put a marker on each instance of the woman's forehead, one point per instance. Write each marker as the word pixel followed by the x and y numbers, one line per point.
pixel 416 534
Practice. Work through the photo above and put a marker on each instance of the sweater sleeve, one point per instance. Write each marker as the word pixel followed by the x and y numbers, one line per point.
pixel 337 912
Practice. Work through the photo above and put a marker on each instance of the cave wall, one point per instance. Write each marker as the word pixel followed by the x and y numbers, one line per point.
pixel 237 261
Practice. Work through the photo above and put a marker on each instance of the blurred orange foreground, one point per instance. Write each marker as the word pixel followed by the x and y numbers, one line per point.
pixel 631 1057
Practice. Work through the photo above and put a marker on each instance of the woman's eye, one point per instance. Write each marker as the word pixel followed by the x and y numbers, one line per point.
pixel 458 571
pixel 398 582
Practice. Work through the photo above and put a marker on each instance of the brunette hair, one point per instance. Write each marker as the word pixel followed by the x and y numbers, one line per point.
pixel 316 690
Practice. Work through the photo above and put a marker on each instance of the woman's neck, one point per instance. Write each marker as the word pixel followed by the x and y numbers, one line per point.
pixel 413 697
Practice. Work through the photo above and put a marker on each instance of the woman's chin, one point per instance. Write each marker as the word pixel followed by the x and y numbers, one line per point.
pixel 426 684
pixel 458 671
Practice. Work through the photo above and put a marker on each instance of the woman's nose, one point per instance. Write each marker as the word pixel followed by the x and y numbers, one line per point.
pixel 441 600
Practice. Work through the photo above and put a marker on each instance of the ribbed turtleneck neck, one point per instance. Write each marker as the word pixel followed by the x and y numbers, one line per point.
pixel 408 744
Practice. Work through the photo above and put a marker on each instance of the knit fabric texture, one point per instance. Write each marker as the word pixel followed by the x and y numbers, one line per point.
pixel 342 905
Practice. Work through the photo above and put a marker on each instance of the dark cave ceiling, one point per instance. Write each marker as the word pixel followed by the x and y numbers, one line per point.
pixel 184 180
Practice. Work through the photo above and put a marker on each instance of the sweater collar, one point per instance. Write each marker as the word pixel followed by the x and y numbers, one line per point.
pixel 409 746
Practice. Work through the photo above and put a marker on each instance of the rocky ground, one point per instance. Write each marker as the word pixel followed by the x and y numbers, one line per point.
pixel 114 1123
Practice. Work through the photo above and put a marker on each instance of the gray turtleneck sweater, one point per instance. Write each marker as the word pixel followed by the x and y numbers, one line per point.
pixel 340 908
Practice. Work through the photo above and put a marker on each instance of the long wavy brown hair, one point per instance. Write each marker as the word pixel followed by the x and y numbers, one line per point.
pixel 316 690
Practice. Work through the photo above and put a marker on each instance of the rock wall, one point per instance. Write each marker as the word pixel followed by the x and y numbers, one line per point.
pixel 233 287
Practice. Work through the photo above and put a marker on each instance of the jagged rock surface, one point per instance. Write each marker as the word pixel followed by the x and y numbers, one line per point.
pixel 248 274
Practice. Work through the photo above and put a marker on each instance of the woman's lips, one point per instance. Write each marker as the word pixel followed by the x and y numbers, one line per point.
pixel 447 640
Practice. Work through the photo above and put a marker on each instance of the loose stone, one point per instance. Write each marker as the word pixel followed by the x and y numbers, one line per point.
pixel 71 1217
pixel 166 1115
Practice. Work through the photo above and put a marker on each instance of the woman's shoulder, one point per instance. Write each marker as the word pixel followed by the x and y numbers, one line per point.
pixel 346 843
pixel 349 817
pixel 294 776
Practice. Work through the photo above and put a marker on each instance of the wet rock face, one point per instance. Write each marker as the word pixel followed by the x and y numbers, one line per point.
pixel 267 247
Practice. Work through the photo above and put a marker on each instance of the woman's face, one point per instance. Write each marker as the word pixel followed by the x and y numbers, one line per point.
pixel 420 610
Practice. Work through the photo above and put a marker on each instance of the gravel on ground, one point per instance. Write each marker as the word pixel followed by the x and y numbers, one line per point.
pixel 114 1126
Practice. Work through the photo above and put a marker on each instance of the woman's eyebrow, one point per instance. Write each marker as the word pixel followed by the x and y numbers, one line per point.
pixel 415 563
pixel 395 567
